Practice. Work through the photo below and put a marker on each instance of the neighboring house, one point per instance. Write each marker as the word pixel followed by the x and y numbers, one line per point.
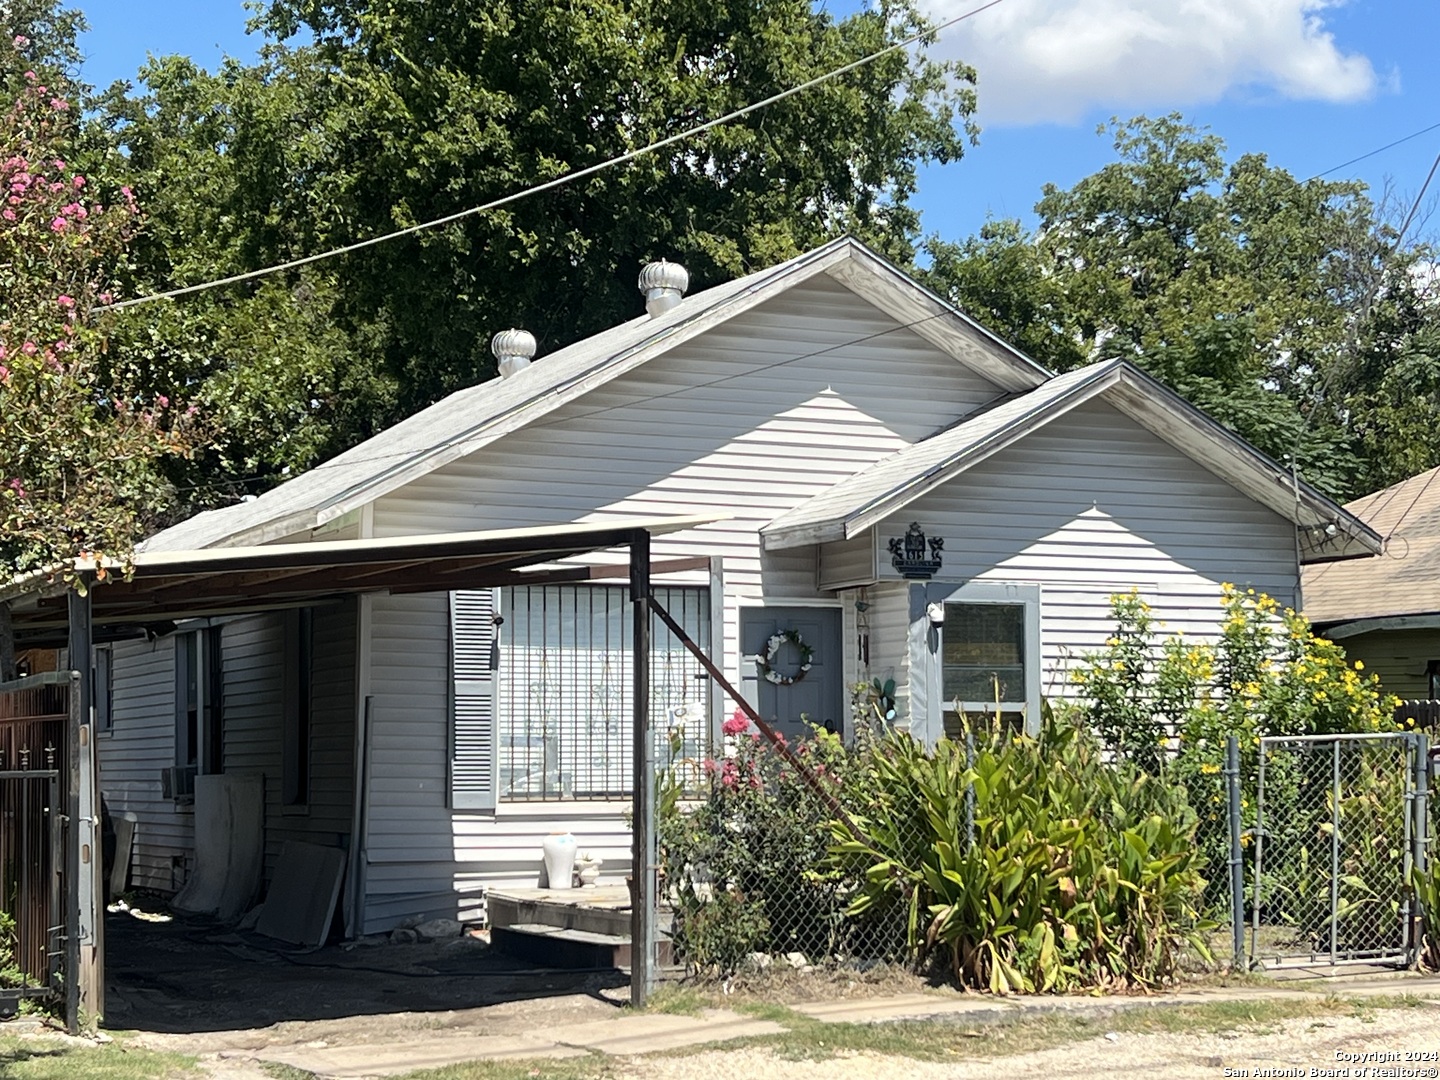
pixel 1386 611
pixel 822 415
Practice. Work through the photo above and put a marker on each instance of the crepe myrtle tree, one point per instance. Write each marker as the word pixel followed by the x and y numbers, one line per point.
pixel 79 453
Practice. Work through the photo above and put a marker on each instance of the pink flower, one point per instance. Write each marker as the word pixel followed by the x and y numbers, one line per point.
pixel 66 301
pixel 59 104
pixel 7 214
pixel 192 410
pixel 29 348
pixel 4 373
pixel 58 225
pixel 17 487
pixel 104 298
pixel 21 41
pixel 59 165
pixel 162 401
pixel 737 723
pixel 29 76
pixel 78 182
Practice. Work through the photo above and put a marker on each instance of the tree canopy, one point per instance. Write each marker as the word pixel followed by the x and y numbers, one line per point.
pixel 366 115
pixel 1286 309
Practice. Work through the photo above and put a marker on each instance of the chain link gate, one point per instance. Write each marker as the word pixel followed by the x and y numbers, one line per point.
pixel 1341 823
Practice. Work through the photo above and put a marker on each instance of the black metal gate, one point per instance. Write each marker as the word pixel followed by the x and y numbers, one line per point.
pixel 35 722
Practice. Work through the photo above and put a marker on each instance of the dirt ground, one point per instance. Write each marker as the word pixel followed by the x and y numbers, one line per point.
pixel 1297 1044
pixel 189 983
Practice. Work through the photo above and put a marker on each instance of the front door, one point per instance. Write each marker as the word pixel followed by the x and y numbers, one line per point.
pixel 817 695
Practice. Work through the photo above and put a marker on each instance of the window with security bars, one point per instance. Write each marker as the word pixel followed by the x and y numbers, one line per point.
pixel 564 689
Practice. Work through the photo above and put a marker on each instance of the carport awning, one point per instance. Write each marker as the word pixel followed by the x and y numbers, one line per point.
pixel 166 586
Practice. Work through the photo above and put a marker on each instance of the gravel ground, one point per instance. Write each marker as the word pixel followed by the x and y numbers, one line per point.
pixel 1306 1044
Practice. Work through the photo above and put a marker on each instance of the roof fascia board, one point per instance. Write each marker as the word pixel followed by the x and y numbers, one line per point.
pixel 942 324
pixel 1344 630
pixel 881 507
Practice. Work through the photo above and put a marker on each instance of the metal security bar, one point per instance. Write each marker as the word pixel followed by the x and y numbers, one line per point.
pixel 34 721
pixel 565 689
pixel 1340 823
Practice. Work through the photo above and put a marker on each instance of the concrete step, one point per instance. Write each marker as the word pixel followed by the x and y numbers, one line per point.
pixel 561 947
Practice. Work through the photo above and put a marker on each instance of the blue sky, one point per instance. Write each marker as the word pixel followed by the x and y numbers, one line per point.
pixel 1310 83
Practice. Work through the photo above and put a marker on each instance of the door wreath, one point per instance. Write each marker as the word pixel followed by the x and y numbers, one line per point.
pixel 772 652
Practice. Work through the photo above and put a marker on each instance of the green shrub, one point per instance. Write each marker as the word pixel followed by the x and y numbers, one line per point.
pixel 1170 705
pixel 10 973
pixel 745 864
pixel 1081 873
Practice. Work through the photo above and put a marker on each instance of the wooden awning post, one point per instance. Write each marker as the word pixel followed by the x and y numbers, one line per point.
pixel 643 853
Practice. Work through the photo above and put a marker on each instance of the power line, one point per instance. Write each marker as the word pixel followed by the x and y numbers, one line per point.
pixel 1377 150
pixel 562 179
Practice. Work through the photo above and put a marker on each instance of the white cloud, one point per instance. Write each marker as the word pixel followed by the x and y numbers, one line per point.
pixel 1054 60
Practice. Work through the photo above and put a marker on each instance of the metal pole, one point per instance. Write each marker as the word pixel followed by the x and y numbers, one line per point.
pixel 1237 856
pixel 642 857
pixel 1335 850
pixel 1420 835
pixel 80 844
pixel 1259 849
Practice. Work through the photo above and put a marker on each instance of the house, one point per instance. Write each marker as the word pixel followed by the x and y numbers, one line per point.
pixel 1386 611
pixel 874 484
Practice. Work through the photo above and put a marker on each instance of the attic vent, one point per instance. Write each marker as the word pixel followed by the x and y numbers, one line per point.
pixel 514 349
pixel 663 284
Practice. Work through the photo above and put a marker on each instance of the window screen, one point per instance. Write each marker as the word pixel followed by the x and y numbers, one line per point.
pixel 983 653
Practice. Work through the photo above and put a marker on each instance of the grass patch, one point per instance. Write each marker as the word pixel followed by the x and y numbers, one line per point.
pixel 44 1058
pixel 280 1071
pixel 593 1067
pixel 988 1037
pixel 680 1001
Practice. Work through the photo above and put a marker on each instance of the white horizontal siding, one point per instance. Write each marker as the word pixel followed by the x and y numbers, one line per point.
pixel 140 744
pixel 254 679
pixel 1091 505
pixel 847 562
pixel 752 418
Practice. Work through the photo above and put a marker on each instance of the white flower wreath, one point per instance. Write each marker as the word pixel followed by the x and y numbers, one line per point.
pixel 772 653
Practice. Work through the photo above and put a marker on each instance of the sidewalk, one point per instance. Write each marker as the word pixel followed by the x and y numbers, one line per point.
pixel 633 1034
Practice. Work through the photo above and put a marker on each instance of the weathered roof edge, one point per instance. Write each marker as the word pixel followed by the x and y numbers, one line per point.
pixel 1141 397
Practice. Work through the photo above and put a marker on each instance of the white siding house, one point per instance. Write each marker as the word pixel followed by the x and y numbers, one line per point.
pixel 810 413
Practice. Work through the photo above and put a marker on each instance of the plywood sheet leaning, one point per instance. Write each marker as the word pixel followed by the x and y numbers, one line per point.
pixel 303 892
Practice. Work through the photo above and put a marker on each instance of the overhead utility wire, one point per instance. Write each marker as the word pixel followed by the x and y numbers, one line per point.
pixel 1377 150
pixel 564 178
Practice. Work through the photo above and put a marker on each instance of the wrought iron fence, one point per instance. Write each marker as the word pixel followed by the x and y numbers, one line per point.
pixel 34 723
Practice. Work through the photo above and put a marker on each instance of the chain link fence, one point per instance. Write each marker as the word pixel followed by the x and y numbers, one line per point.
pixel 842 856
pixel 1341 822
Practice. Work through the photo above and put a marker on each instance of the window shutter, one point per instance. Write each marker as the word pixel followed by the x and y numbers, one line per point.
pixel 474 657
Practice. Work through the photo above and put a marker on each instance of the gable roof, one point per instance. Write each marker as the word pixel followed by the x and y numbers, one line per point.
pixel 471 418
pixel 871 495
pixel 1406 581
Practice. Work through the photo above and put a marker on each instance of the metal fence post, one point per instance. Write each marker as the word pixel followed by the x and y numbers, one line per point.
pixel 1237 855
pixel 1259 850
pixel 1420 840
pixel 1335 850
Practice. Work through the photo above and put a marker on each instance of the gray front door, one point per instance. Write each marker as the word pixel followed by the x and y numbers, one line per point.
pixel 819 696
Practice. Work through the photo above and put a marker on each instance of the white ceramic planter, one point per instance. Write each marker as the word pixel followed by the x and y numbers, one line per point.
pixel 559 851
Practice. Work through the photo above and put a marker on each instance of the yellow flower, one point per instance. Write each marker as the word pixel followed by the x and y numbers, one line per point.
pixel 1208 769
pixel 1359 665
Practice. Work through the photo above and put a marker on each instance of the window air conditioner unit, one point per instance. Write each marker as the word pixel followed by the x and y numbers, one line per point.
pixel 177 783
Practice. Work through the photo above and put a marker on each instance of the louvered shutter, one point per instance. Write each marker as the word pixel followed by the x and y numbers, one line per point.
pixel 474 658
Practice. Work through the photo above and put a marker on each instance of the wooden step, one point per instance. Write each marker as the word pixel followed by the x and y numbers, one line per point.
pixel 574 949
